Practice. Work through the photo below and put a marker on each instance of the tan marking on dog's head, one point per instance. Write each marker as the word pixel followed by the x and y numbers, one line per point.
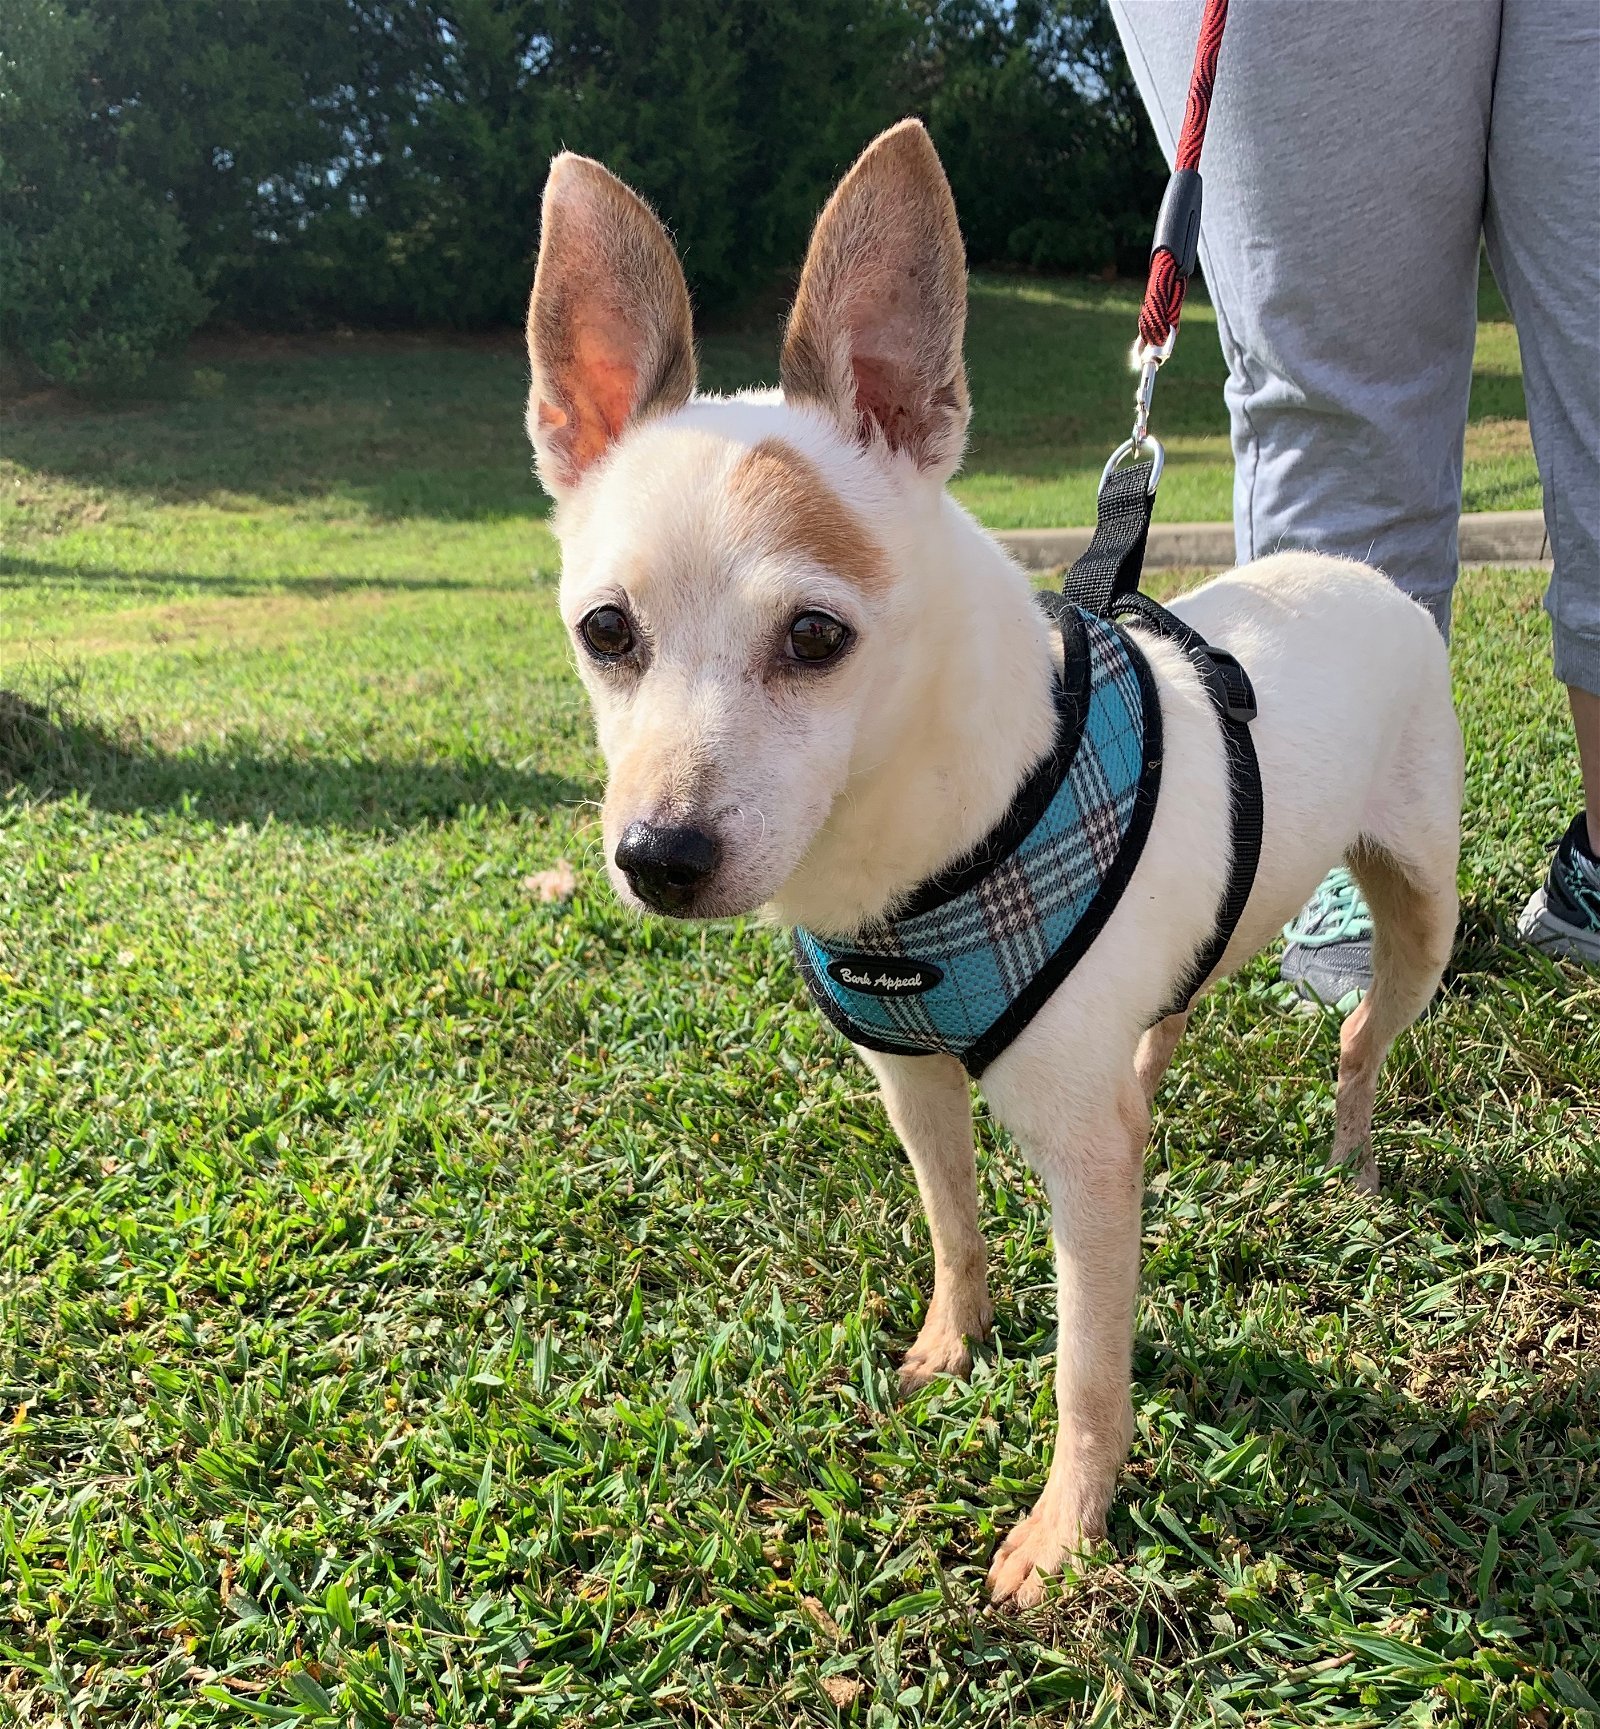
pixel 783 504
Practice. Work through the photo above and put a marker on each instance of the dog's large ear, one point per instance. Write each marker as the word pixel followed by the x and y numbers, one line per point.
pixel 609 331
pixel 875 335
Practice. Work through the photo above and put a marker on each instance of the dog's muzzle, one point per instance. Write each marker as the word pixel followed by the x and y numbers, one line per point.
pixel 666 866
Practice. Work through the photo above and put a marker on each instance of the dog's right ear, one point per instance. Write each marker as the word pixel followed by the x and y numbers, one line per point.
pixel 875 335
pixel 609 331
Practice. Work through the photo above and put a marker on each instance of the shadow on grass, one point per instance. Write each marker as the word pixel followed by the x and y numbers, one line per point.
pixel 1489 956
pixel 403 427
pixel 1354 1447
pixel 50 755
pixel 431 426
pixel 20 571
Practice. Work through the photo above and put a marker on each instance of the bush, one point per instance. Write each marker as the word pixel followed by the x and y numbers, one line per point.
pixel 95 294
pixel 92 281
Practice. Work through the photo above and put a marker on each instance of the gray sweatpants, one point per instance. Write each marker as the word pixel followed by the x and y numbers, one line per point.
pixel 1356 151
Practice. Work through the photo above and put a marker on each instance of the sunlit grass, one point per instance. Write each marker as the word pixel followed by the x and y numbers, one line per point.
pixel 424 1305
pixel 401 462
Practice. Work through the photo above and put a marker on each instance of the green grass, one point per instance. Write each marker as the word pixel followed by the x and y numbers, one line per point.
pixel 401 462
pixel 423 1305
pixel 1052 392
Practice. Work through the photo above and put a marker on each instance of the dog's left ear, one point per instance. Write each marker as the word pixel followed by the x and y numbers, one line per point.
pixel 875 335
pixel 609 330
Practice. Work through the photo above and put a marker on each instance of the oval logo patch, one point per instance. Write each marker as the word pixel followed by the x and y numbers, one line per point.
pixel 884 975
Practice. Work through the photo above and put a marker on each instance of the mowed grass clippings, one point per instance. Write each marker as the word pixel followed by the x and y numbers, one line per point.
pixel 425 1303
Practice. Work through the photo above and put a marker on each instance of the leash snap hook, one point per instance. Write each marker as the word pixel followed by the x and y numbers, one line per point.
pixel 1148 357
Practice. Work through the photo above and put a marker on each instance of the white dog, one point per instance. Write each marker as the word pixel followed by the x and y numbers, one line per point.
pixel 817 682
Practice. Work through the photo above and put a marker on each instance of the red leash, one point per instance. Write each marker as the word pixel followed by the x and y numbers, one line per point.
pixel 1175 249
pixel 1172 257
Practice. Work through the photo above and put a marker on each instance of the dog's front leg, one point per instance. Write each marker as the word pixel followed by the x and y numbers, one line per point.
pixel 930 1105
pixel 1094 1173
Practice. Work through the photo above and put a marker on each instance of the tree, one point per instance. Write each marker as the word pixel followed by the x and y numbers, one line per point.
pixel 1042 134
pixel 380 161
pixel 92 280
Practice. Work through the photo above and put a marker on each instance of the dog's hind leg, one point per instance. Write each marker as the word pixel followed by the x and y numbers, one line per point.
pixel 930 1105
pixel 1155 1051
pixel 1413 926
pixel 1405 862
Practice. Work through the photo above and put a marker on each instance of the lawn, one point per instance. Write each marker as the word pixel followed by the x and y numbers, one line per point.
pixel 396 461
pixel 423 1304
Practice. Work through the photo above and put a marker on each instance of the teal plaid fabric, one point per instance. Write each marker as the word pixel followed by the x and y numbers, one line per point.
pixel 979 948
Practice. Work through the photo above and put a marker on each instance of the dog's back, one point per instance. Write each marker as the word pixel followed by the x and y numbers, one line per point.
pixel 1356 736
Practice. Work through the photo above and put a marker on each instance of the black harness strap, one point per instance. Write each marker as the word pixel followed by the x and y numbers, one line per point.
pixel 1114 558
pixel 1105 582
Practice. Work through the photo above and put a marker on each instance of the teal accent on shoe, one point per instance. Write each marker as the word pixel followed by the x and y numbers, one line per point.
pixel 1563 916
pixel 1327 958
pixel 1336 913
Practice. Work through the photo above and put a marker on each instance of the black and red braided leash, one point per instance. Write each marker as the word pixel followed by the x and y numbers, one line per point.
pixel 1105 580
pixel 1172 257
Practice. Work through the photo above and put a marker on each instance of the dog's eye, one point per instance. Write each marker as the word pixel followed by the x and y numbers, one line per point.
pixel 608 632
pixel 814 636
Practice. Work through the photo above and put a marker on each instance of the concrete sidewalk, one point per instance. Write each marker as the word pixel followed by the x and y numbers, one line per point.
pixel 1487 537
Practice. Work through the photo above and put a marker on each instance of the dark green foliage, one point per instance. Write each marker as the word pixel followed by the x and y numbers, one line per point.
pixel 1049 153
pixel 733 119
pixel 379 162
pixel 269 126
pixel 92 279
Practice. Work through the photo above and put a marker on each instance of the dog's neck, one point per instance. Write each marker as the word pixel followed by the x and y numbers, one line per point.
pixel 972 711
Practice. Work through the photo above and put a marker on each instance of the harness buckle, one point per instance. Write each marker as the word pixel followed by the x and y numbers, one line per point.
pixel 1227 682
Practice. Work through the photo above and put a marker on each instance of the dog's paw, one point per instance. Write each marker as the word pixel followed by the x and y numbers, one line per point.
pixel 942 1348
pixel 1035 1548
pixel 1359 1163
pixel 931 1358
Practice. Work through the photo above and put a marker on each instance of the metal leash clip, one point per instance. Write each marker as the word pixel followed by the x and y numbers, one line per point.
pixel 1149 360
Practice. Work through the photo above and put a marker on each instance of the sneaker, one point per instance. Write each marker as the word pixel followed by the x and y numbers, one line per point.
pixel 1563 917
pixel 1327 955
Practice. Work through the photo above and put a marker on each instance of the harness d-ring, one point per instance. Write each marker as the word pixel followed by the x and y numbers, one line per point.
pixel 1136 449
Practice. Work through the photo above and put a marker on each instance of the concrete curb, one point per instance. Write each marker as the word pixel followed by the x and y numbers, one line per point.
pixel 1487 537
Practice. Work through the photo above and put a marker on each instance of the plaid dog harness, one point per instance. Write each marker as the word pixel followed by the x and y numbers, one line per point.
pixel 980 947
pixel 972 957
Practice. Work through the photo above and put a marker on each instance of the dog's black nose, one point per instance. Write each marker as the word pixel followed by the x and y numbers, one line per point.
pixel 666 865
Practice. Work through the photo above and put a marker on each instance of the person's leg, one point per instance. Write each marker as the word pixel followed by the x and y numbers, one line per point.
pixel 1542 224
pixel 1344 184
pixel 1344 174
pixel 1585 706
